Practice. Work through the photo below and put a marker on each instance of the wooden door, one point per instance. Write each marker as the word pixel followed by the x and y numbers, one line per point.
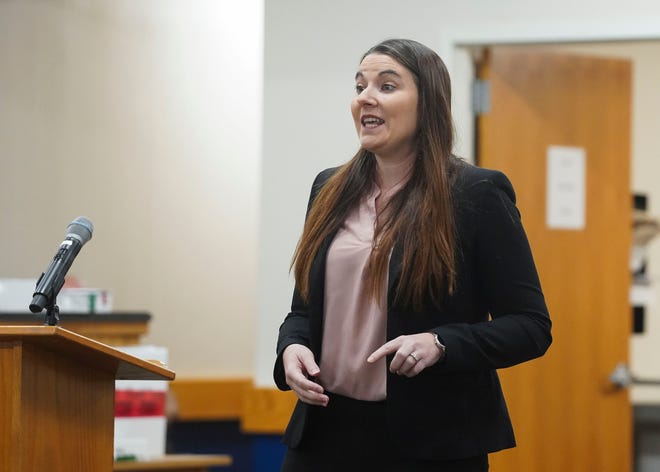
pixel 566 415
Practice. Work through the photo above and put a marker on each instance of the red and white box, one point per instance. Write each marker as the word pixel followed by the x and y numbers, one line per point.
pixel 140 420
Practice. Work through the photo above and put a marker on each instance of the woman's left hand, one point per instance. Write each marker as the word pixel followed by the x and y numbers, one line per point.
pixel 412 353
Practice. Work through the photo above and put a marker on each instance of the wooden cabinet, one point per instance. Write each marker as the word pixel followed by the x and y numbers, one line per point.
pixel 114 329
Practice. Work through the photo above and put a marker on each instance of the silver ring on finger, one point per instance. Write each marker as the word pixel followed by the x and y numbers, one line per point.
pixel 412 354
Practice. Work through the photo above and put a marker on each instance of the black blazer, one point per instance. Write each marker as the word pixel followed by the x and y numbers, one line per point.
pixel 496 318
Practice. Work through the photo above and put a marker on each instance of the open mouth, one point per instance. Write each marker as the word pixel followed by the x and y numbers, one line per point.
pixel 371 121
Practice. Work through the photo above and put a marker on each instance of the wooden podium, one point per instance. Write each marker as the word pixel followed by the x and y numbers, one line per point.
pixel 57 399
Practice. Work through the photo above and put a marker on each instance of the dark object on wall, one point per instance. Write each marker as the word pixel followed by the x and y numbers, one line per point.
pixel 644 229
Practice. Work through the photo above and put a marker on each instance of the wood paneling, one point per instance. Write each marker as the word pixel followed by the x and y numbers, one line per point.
pixel 259 410
pixel 267 411
pixel 210 399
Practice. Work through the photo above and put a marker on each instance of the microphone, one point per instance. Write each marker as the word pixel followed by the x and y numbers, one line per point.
pixel 49 284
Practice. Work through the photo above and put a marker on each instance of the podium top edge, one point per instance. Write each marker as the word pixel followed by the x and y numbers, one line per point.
pixel 126 366
pixel 113 317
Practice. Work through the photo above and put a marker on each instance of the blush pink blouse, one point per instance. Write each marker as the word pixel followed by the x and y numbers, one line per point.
pixel 353 326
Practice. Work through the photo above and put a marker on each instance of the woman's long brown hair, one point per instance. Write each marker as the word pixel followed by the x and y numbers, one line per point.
pixel 420 217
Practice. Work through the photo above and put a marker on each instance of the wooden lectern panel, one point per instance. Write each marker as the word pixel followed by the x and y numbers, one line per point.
pixel 10 373
pixel 60 413
pixel 57 399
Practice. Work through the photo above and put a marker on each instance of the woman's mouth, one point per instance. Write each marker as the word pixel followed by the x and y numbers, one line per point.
pixel 371 121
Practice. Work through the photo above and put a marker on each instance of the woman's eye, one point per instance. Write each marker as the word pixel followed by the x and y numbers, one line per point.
pixel 359 88
pixel 388 87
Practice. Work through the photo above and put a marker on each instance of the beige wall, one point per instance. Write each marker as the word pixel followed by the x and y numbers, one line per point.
pixel 145 117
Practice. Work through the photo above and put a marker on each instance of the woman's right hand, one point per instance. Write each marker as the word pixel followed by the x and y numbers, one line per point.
pixel 299 365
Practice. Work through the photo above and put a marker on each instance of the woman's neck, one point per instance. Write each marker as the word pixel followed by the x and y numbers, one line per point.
pixel 390 173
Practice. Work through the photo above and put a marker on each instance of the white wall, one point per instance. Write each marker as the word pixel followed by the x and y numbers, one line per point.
pixel 312 50
pixel 145 117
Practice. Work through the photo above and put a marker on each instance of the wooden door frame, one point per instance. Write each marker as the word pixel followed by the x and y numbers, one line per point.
pixel 454 43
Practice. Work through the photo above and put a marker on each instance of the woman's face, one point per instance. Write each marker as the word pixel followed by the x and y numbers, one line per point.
pixel 385 107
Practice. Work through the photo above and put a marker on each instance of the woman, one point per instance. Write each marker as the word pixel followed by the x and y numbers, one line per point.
pixel 414 282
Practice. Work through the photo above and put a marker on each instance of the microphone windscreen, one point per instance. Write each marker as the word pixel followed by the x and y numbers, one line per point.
pixel 81 229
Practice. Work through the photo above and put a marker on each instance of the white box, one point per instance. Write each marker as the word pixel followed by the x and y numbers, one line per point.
pixel 84 300
pixel 16 295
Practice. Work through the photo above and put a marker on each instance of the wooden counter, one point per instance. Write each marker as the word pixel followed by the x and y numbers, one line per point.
pixel 114 329
pixel 176 463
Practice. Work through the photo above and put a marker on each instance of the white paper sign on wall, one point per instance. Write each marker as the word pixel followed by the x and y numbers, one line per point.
pixel 566 188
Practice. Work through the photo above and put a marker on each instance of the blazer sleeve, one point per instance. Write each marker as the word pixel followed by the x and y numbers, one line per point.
pixel 519 328
pixel 295 328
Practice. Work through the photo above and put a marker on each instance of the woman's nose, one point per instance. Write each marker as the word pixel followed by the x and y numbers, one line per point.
pixel 367 97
